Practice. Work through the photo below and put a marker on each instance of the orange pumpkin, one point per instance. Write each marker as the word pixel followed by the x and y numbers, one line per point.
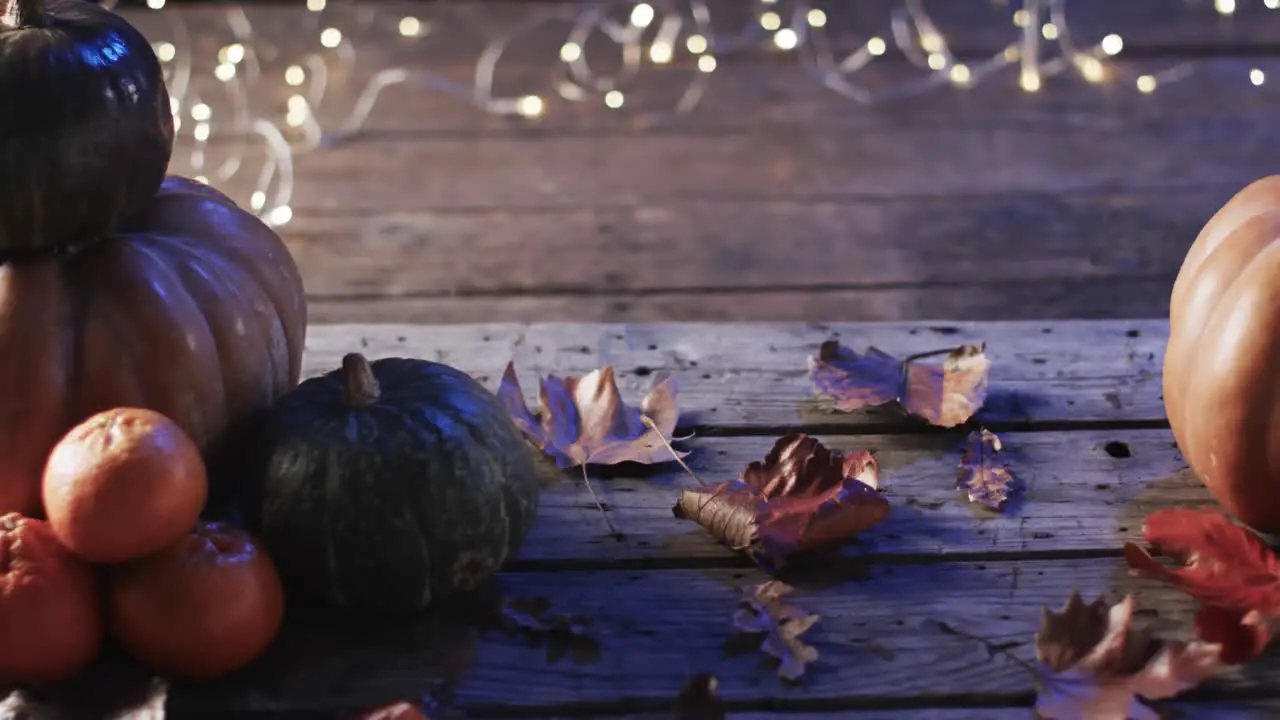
pixel 195 310
pixel 1222 363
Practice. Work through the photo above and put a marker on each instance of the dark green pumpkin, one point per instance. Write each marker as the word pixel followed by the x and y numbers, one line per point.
pixel 388 484
pixel 86 131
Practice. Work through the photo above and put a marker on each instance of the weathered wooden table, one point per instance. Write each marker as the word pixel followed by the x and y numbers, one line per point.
pixel 1077 404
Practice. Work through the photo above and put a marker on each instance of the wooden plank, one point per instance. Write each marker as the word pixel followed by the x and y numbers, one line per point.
pixel 1144 297
pixel 1081 491
pixel 717 245
pixel 752 91
pixel 753 375
pixel 881 637
pixel 391 175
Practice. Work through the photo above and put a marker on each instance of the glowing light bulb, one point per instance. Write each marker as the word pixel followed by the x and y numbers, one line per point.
pixel 331 37
pixel 570 52
pixel 696 44
pixel 786 39
pixel 706 63
pixel 642 15
pixel 613 99
pixel 876 46
pixel 1112 44
pixel 294 75
pixel 815 18
pixel 410 26
pixel 1146 84
pixel 530 106
pixel 1257 77
pixel 770 21
pixel 960 74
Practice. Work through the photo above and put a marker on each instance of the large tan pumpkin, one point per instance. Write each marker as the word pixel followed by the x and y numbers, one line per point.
pixel 1222 363
pixel 195 310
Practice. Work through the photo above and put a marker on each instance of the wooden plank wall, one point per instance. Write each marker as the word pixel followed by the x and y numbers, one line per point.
pixel 776 199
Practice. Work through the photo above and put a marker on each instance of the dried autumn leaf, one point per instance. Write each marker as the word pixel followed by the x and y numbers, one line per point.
pixel 945 396
pixel 981 474
pixel 584 420
pixel 763 611
pixel 802 498
pixel 1094 664
pixel 699 699
pixel 1225 566
pixel 532 615
pixel 560 633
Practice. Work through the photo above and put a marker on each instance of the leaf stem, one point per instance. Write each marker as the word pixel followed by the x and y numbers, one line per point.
pixel 674 455
pixel 596 499
pixel 905 375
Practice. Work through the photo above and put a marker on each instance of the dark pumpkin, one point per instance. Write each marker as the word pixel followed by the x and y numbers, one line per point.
pixel 389 484
pixel 86 131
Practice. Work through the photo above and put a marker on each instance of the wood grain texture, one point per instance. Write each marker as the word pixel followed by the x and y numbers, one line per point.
pixel 753 375
pixel 1076 491
pixel 888 637
pixel 711 246
pixel 384 174
pixel 988 202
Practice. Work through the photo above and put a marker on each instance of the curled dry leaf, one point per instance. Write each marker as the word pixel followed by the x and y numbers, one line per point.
pixel 946 395
pixel 584 420
pixel 1094 664
pixel 1225 566
pixel 699 699
pixel 802 498
pixel 763 611
pixel 981 474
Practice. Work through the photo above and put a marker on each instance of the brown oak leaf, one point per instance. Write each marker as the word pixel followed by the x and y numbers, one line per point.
pixel 981 474
pixel 1094 664
pixel 946 395
pixel 782 624
pixel 699 699
pixel 1234 575
pixel 802 498
pixel 583 420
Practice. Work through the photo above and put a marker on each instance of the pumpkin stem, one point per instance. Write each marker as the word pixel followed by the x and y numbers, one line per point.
pixel 18 14
pixel 359 386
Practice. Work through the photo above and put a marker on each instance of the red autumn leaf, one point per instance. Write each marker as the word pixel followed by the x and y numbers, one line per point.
pixel 981 474
pixel 802 498
pixel 1225 566
pixel 945 396
pixel 1094 664
pixel 782 624
pixel 583 420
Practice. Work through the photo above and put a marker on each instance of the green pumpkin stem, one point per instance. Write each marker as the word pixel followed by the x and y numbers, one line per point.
pixel 19 14
pixel 359 386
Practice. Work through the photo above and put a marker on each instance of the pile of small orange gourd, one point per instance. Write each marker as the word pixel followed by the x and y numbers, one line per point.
pixel 123 552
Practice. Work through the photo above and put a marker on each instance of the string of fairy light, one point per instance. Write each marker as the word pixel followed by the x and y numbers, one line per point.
pixel 216 95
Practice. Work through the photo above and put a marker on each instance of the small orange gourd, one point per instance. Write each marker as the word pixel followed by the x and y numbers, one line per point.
pixel 1222 363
